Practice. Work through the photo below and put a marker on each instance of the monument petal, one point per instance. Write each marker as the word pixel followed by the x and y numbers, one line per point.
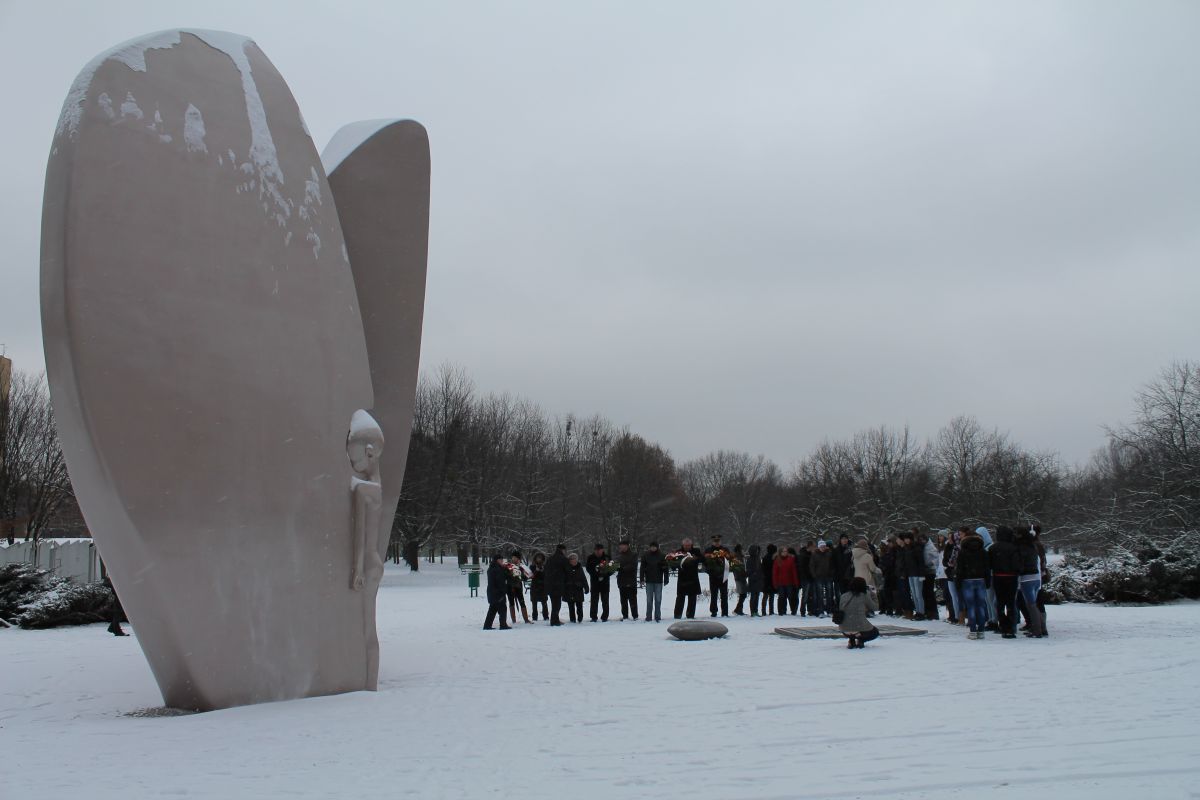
pixel 206 356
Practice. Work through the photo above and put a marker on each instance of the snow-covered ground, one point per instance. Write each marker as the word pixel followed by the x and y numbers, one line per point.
pixel 1106 708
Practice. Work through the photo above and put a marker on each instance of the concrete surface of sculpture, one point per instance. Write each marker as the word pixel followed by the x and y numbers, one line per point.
pixel 212 375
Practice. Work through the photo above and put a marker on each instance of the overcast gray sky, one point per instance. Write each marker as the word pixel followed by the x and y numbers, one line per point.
pixel 742 225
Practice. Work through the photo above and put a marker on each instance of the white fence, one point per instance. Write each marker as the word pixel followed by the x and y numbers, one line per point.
pixel 76 559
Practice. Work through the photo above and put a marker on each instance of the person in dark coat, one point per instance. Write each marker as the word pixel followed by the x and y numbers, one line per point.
pixel 600 583
pixel 627 580
pixel 913 557
pixel 687 582
pixel 808 587
pixel 820 569
pixel 497 594
pixel 556 581
pixel 655 575
pixel 118 611
pixel 1006 571
pixel 888 553
pixel 576 588
pixel 717 587
pixel 905 604
pixel 537 586
pixel 1029 582
pixel 754 577
pixel 768 574
pixel 843 564
pixel 971 574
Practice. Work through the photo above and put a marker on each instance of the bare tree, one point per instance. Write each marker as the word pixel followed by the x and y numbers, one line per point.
pixel 33 472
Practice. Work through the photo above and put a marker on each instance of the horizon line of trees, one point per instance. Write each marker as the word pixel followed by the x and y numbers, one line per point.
pixel 492 472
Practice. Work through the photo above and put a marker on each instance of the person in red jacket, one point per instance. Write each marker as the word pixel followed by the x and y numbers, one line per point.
pixel 786 580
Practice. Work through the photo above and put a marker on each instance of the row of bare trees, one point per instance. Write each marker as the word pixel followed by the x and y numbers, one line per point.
pixel 488 472
pixel 492 471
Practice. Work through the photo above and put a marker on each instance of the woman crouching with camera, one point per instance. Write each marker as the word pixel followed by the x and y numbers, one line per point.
pixel 852 615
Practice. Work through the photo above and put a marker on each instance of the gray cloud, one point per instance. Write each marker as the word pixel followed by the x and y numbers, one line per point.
pixel 748 225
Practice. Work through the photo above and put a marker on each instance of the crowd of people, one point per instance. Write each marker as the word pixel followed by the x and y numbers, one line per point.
pixel 985 581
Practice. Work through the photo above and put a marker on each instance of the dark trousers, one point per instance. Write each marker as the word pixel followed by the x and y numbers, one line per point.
pixel 741 601
pixel 810 597
pixel 600 597
pixel 754 596
pixel 494 609
pixel 718 587
pixel 903 601
pixel 118 616
pixel 930 598
pixel 826 602
pixel 516 599
pixel 575 609
pixel 691 605
pixel 865 636
pixel 628 601
pixel 539 602
pixel 768 601
pixel 948 598
pixel 1005 587
pixel 555 608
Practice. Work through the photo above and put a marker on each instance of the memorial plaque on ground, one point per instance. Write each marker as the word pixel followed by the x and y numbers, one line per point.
pixel 833 632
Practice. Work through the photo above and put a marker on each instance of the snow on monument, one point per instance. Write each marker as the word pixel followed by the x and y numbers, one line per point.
pixel 208 349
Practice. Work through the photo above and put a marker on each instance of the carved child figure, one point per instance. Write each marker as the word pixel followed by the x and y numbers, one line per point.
pixel 364 445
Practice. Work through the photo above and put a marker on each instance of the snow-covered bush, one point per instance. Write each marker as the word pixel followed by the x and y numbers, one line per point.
pixel 1140 573
pixel 33 598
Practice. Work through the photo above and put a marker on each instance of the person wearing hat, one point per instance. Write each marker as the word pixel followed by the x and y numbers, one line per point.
pixel 655 576
pixel 687 583
pixel 600 583
pixel 718 585
pixel 820 569
pixel 497 594
pixel 627 580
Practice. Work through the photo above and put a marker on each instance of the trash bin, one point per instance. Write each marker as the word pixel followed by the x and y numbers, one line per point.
pixel 473 582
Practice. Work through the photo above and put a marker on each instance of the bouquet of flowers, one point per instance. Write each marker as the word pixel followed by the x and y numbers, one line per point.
pixel 515 574
pixel 736 565
pixel 675 559
pixel 716 559
pixel 607 567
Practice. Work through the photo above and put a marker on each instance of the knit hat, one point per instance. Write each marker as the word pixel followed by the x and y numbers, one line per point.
pixel 821 543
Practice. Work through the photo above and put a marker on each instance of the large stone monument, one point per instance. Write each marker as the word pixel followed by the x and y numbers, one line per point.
pixel 232 339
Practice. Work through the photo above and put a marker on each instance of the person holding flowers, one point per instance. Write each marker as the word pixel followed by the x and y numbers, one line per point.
pixel 737 565
pixel 518 574
pixel 598 571
pixel 687 585
pixel 716 558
